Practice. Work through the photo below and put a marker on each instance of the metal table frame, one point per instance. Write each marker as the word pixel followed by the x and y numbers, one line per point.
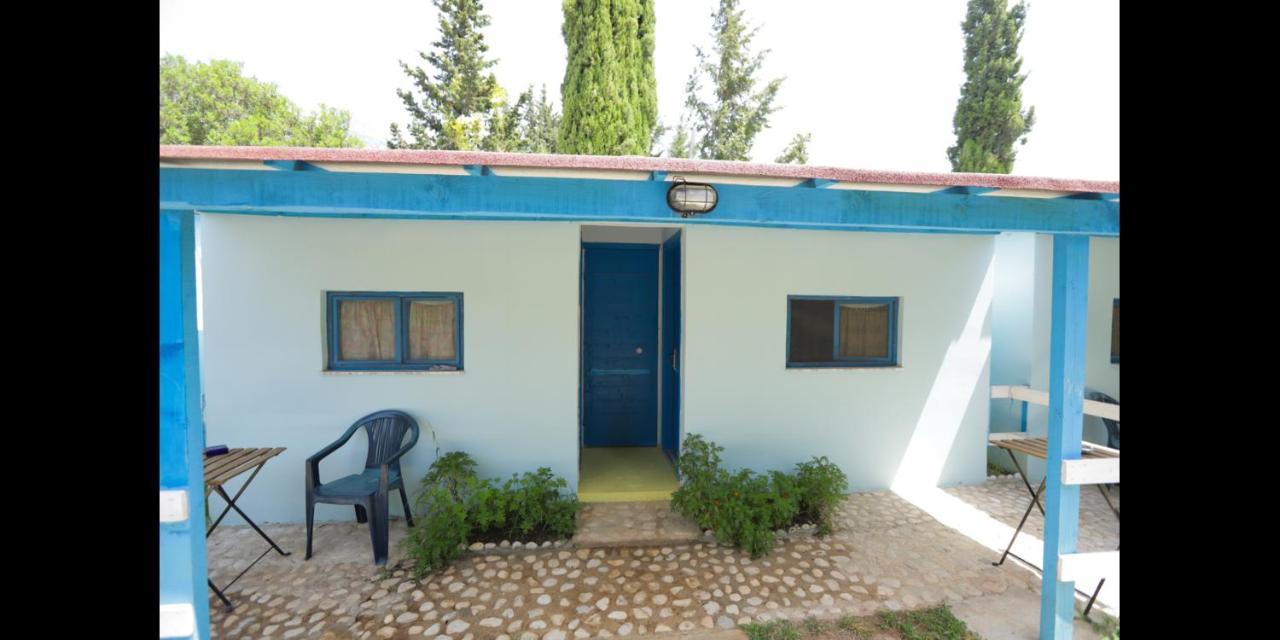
pixel 1035 502
pixel 218 470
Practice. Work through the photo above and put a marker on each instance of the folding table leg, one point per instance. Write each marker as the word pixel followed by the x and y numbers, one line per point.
pixel 1023 476
pixel 1035 500
pixel 271 542
pixel 1107 496
pixel 226 604
pixel 1089 606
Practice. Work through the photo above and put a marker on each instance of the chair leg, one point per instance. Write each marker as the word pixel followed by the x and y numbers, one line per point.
pixel 361 516
pixel 311 516
pixel 378 528
pixel 404 500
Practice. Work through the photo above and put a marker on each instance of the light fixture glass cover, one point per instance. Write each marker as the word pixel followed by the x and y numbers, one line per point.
pixel 689 198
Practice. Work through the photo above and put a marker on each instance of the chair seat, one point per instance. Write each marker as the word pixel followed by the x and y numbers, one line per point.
pixel 364 484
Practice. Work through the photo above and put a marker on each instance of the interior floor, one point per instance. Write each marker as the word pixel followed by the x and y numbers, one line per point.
pixel 625 474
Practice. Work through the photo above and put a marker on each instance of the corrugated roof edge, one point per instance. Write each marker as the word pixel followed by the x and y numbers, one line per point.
pixel 634 163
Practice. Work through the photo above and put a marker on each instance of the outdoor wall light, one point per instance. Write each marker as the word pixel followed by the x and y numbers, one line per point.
pixel 691 198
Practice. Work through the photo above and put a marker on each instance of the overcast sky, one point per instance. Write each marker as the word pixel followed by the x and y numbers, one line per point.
pixel 875 81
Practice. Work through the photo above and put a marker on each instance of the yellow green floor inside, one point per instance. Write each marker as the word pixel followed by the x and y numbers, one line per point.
pixel 625 474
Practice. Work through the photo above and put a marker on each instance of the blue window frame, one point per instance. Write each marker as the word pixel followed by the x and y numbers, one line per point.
pixel 1115 331
pixel 849 331
pixel 393 342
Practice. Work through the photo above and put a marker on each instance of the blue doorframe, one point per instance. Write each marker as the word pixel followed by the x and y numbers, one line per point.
pixel 670 365
pixel 620 345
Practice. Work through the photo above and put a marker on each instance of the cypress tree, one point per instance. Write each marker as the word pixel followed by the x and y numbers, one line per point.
pixel 989 116
pixel 609 93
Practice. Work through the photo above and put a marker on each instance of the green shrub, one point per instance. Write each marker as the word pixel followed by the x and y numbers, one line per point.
pixel 745 508
pixel 820 485
pixel 456 507
pixel 537 505
pixel 700 473
pixel 440 534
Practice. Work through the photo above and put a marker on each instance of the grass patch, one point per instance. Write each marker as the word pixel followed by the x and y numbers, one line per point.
pixel 1107 628
pixel 937 623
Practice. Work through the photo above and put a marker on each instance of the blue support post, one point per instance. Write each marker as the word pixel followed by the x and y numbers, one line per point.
pixel 183 565
pixel 1066 424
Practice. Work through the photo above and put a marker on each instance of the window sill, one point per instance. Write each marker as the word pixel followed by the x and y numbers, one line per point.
pixel 331 372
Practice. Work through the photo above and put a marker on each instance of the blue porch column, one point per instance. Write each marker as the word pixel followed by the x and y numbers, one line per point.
pixel 1066 423
pixel 183 567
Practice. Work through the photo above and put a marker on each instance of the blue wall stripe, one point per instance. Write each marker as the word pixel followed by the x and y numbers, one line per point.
pixel 368 195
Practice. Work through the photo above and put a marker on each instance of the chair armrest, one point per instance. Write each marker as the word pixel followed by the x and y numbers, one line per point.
pixel 313 462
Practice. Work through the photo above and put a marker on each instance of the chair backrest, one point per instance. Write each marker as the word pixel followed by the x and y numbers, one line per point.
pixel 386 431
pixel 1113 426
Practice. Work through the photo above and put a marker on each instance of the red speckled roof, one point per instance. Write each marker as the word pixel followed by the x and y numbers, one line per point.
pixel 634 163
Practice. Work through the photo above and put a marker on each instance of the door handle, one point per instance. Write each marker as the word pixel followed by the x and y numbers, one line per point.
pixel 675 360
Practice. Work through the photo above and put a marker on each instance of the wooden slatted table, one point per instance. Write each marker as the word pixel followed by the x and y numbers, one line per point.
pixel 1039 448
pixel 218 471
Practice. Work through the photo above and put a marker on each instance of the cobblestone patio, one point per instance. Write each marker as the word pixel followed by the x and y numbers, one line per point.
pixel 885 554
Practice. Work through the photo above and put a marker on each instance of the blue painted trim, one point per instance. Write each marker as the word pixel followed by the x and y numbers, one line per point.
pixel 292 165
pixel 967 191
pixel 477 170
pixel 658 176
pixel 1067 349
pixel 1092 196
pixel 1115 306
pixel 836 360
pixel 817 183
pixel 1023 421
pixel 402 361
pixel 183 559
pixel 412 196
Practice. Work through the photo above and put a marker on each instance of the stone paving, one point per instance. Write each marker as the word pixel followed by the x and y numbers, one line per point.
pixel 632 523
pixel 885 554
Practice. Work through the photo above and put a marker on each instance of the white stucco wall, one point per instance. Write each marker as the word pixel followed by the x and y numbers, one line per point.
pixel 1100 373
pixel 923 422
pixel 513 408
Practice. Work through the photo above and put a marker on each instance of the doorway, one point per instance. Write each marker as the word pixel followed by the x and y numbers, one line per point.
pixel 630 354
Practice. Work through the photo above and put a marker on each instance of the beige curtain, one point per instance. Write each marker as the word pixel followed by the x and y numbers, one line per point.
pixel 368 329
pixel 864 330
pixel 431 330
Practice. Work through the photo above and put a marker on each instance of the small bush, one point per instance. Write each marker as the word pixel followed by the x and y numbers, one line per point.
pixel 745 508
pixel 441 532
pixel 456 507
pixel 820 485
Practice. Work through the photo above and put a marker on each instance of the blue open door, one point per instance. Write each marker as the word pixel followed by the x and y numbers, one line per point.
pixel 670 364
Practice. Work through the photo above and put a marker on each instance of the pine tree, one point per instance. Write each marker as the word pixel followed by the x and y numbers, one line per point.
pixel 797 151
pixel 989 117
pixel 460 101
pixel 531 125
pixel 609 93
pixel 725 126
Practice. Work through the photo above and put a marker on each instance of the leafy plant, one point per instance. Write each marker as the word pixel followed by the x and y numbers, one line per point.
pixel 821 486
pixel 745 508
pixel 441 532
pixel 457 507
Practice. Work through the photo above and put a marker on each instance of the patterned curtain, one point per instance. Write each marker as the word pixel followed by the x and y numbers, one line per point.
pixel 864 330
pixel 368 329
pixel 431 330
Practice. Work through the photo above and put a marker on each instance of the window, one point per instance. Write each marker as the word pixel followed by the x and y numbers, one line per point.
pixel 1115 331
pixel 395 331
pixel 842 332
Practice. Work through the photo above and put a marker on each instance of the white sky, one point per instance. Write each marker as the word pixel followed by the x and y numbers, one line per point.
pixel 875 81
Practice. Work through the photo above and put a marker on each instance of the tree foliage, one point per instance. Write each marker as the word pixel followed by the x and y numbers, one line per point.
pixel 609 94
pixel 458 103
pixel 726 121
pixel 214 104
pixel 796 151
pixel 989 118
